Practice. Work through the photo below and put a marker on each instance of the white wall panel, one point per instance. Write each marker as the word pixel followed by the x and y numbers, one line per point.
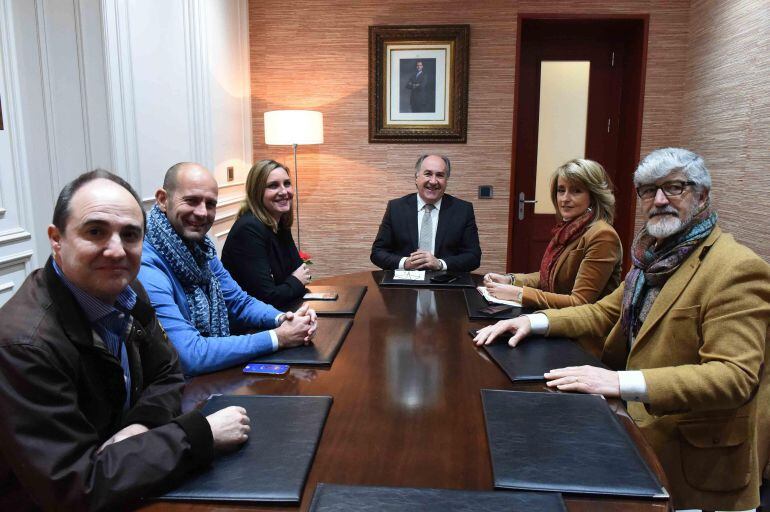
pixel 16 242
pixel 133 86
pixel 228 45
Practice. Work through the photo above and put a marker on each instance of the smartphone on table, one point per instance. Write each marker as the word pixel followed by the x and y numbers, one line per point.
pixel 266 369
pixel 443 278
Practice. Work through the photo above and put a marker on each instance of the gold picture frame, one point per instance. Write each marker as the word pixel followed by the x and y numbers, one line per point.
pixel 418 83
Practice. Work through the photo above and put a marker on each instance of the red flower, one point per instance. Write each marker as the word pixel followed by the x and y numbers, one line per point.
pixel 306 258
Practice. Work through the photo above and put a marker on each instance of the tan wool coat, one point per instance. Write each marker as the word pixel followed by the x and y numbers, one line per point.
pixel 703 353
pixel 587 270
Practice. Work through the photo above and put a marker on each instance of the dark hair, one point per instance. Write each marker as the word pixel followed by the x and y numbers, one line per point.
pixel 447 164
pixel 61 212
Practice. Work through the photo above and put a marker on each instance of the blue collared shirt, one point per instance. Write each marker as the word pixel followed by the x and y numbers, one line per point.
pixel 110 322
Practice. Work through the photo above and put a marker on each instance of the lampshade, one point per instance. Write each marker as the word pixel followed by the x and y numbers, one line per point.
pixel 288 127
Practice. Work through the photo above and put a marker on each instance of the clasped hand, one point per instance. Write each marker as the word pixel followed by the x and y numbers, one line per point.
pixel 298 327
pixel 422 260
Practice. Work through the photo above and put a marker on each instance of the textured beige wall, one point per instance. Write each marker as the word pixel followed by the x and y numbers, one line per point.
pixel 314 54
pixel 726 114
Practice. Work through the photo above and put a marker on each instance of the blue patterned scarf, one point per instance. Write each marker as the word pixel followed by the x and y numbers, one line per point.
pixel 654 265
pixel 190 263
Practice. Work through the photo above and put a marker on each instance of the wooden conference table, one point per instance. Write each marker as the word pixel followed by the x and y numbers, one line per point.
pixel 407 406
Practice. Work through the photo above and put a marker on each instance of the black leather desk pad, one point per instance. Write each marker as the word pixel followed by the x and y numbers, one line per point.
pixel 343 498
pixel 326 343
pixel 536 355
pixel 348 300
pixel 464 280
pixel 272 466
pixel 474 301
pixel 565 442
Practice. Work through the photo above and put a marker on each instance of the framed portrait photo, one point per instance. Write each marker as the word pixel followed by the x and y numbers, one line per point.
pixel 418 83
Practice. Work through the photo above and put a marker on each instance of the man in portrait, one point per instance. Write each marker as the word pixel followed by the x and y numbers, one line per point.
pixel 420 97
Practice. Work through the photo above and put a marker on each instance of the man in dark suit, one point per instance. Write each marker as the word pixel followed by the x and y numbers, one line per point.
pixel 419 99
pixel 428 230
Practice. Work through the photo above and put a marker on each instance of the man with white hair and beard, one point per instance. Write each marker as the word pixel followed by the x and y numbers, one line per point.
pixel 686 336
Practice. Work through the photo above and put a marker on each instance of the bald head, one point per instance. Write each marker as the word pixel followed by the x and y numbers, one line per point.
pixel 189 200
pixel 171 181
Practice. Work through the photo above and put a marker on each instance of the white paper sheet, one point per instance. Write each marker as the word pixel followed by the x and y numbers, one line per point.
pixel 409 275
pixel 483 291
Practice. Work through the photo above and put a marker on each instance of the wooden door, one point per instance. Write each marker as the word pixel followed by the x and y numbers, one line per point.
pixel 608 52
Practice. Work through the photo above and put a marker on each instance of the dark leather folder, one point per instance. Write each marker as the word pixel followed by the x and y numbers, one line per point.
pixel 273 464
pixel 474 301
pixel 326 343
pixel 565 442
pixel 348 300
pixel 536 355
pixel 343 498
pixel 464 280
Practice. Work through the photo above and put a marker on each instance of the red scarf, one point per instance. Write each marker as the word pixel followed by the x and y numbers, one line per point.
pixel 564 233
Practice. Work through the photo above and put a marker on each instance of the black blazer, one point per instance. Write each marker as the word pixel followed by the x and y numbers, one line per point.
pixel 457 238
pixel 262 262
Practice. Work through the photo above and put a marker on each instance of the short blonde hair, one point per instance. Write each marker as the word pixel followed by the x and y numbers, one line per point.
pixel 594 178
pixel 256 183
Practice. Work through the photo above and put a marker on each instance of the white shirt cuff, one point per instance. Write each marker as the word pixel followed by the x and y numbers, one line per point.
pixel 443 264
pixel 539 323
pixel 274 339
pixel 633 387
pixel 401 263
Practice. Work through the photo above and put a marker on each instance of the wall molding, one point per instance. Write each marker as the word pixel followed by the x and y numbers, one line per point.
pixel 19 167
pixel 120 88
pixel 246 115
pixel 50 129
pixel 15 259
pixel 222 234
pixel 225 217
pixel 15 236
pixel 84 115
pixel 199 96
pixel 232 184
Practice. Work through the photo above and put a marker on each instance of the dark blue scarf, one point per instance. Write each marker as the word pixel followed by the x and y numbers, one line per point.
pixel 190 263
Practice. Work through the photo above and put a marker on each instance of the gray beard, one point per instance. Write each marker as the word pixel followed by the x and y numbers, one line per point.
pixel 666 226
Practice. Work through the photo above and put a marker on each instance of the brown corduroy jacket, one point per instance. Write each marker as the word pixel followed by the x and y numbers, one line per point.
pixel 587 270
pixel 703 352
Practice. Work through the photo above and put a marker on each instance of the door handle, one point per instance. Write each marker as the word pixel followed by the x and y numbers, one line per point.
pixel 522 202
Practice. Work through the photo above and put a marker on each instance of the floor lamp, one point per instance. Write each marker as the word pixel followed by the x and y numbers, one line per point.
pixel 292 128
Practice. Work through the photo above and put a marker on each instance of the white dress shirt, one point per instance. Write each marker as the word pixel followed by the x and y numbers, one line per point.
pixel 434 220
pixel 633 387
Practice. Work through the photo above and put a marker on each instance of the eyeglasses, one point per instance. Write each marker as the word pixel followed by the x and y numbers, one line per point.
pixel 669 188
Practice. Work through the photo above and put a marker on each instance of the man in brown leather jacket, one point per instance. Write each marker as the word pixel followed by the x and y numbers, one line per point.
pixel 90 387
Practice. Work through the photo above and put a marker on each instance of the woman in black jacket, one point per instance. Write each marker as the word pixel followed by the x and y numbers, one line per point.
pixel 259 252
